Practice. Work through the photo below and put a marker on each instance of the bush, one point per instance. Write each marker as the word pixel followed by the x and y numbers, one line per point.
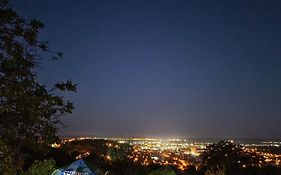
pixel 45 167
pixel 5 160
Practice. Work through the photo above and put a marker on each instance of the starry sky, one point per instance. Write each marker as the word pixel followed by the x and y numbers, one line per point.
pixel 165 68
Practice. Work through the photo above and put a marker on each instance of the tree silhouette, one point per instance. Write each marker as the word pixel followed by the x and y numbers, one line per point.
pixel 5 159
pixel 45 167
pixel 230 156
pixel 29 111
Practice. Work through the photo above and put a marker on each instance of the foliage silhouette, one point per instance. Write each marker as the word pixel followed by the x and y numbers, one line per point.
pixel 29 111
pixel 230 156
pixel 45 167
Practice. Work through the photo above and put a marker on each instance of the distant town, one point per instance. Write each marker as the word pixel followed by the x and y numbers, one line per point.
pixel 180 153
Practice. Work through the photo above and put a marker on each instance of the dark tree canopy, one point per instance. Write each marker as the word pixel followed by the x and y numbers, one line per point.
pixel 230 157
pixel 29 110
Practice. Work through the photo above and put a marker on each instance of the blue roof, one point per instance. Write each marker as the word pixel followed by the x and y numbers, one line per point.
pixel 78 167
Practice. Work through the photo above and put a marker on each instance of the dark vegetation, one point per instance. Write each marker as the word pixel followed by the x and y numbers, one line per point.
pixel 29 111
pixel 231 159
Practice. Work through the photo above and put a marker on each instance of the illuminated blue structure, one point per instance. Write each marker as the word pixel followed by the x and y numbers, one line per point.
pixel 78 167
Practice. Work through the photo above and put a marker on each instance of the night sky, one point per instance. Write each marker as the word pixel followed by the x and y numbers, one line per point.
pixel 166 68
